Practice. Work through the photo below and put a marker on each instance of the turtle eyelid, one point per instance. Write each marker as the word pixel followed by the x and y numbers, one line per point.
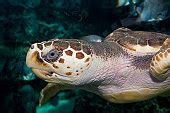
pixel 54 58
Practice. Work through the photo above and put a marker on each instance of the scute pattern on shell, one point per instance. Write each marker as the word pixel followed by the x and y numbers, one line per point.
pixel 161 61
pixel 134 40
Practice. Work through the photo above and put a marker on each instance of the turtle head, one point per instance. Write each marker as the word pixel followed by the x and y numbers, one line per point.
pixel 59 60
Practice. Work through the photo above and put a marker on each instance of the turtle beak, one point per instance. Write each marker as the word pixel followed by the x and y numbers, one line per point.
pixel 33 59
pixel 38 66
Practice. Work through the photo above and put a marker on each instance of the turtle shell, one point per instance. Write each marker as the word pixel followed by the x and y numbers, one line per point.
pixel 137 41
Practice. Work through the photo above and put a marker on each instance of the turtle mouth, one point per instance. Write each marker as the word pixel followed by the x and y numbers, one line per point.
pixel 49 76
pixel 45 75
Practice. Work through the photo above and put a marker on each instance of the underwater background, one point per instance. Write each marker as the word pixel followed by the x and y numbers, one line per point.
pixel 23 22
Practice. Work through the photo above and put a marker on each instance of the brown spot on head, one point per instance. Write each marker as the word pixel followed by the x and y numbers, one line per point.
pixel 40 46
pixel 55 66
pixel 47 44
pixel 68 73
pixel 86 50
pixel 161 55
pixel 75 45
pixel 157 58
pixel 79 55
pixel 68 66
pixel 87 60
pixel 61 60
pixel 60 45
pixel 152 64
pixel 168 50
pixel 167 42
pixel 166 54
pixel 37 58
pixel 34 55
pixel 69 52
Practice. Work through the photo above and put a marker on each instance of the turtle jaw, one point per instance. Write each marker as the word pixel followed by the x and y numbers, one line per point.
pixel 38 66
pixel 42 74
pixel 53 77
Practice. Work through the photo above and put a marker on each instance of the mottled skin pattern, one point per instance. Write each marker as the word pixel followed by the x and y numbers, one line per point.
pixel 117 69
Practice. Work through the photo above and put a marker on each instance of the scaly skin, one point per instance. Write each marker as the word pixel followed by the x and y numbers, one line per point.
pixel 114 70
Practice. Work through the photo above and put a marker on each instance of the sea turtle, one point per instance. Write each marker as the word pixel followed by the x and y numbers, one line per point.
pixel 128 66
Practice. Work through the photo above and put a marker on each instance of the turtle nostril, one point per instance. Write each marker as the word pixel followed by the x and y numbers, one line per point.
pixel 51 73
pixel 32 46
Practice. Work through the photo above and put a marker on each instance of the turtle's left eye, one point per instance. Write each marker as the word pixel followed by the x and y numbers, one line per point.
pixel 52 55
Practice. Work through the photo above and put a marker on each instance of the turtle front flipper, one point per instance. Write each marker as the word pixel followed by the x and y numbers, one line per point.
pixel 49 91
pixel 161 62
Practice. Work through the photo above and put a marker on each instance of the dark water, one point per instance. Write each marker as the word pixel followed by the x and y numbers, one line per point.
pixel 23 22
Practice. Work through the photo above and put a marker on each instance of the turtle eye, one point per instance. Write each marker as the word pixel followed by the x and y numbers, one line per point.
pixel 52 55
